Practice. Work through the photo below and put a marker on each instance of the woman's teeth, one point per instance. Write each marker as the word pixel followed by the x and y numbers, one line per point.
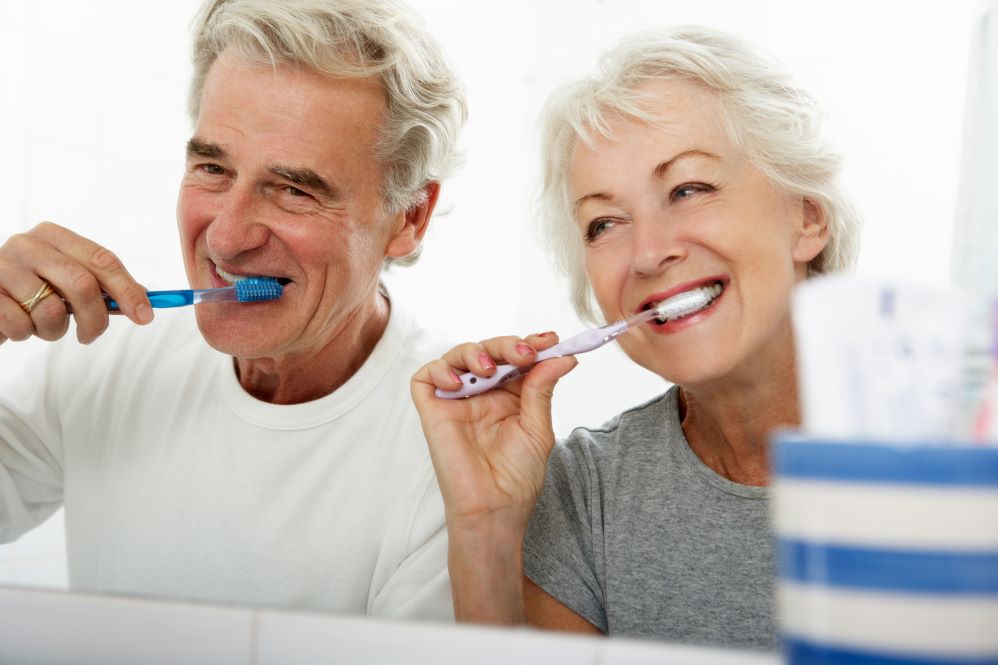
pixel 686 303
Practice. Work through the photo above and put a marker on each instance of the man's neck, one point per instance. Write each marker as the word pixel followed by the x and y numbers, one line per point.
pixel 303 378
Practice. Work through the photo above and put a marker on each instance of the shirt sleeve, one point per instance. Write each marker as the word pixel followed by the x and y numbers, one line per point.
pixel 563 550
pixel 414 584
pixel 31 473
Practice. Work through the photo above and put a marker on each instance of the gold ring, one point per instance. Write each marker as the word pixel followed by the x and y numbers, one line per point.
pixel 43 292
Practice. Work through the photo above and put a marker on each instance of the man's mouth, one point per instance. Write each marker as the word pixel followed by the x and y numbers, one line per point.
pixel 232 278
pixel 228 276
pixel 686 303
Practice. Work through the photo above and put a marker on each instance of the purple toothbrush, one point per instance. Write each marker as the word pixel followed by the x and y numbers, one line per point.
pixel 675 307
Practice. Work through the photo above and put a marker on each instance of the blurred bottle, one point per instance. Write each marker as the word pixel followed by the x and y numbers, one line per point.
pixel 975 243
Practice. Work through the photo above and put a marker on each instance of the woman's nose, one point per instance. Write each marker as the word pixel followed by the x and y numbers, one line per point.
pixel 657 245
pixel 237 227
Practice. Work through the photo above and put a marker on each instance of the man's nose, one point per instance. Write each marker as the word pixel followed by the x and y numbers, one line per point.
pixel 657 244
pixel 238 225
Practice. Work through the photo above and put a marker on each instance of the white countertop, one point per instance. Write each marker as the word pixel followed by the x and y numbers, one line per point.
pixel 57 627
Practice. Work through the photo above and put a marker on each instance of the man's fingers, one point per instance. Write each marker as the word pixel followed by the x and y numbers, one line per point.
pixel 95 269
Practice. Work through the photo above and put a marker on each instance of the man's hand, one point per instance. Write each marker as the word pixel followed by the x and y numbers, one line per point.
pixel 78 270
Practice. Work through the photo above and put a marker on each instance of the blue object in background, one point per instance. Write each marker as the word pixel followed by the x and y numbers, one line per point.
pixel 887 553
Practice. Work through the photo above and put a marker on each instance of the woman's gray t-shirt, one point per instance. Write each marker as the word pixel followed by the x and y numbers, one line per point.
pixel 637 535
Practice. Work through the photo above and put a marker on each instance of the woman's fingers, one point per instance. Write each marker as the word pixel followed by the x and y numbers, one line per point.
pixel 537 392
pixel 482 358
pixel 441 375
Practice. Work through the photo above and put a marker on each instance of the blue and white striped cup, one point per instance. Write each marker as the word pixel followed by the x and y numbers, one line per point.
pixel 887 554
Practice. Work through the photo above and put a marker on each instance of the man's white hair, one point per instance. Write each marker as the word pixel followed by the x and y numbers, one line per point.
pixel 425 106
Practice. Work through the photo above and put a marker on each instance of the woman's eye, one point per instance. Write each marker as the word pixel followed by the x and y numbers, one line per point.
pixel 687 190
pixel 597 227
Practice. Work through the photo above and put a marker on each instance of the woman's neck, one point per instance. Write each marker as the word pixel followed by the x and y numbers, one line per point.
pixel 728 426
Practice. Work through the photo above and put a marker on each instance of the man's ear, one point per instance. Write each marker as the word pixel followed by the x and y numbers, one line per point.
pixel 412 224
pixel 813 234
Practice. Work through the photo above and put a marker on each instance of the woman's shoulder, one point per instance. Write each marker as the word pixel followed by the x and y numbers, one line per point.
pixel 650 420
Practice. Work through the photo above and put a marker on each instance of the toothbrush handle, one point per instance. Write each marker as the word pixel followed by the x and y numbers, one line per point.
pixel 472 384
pixel 159 299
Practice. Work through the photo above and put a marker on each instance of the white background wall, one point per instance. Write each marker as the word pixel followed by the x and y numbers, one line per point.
pixel 93 126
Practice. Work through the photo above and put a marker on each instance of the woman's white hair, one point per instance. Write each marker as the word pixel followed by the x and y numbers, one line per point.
pixel 774 122
pixel 425 106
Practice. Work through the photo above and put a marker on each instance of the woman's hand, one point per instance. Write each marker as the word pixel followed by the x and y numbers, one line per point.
pixel 490 454
pixel 490 450
pixel 78 270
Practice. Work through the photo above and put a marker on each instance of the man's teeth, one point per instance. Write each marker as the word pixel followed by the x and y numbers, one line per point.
pixel 228 276
pixel 687 302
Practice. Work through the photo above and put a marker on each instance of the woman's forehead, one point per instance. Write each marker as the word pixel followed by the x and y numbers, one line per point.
pixel 672 108
pixel 686 119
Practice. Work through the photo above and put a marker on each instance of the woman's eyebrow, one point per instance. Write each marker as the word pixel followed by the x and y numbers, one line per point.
pixel 660 171
pixel 664 167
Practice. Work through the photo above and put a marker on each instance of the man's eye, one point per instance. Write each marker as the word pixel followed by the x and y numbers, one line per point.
pixel 212 169
pixel 294 191
pixel 597 227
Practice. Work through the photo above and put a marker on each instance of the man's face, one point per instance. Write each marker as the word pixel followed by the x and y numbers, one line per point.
pixel 281 180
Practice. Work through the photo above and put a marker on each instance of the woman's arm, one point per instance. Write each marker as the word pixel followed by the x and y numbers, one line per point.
pixel 541 610
pixel 490 455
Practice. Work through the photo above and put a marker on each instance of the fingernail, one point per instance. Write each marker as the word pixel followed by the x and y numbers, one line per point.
pixel 454 377
pixel 485 360
pixel 524 350
pixel 144 313
pixel 545 334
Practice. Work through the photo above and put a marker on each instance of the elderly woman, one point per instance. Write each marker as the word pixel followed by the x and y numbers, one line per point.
pixel 689 161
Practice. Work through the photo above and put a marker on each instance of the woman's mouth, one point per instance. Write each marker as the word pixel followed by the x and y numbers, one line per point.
pixel 685 303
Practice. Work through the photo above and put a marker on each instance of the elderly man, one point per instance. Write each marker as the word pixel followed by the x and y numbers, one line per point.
pixel 274 459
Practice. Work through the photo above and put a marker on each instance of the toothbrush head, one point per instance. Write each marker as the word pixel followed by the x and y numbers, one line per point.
pixel 258 289
pixel 686 303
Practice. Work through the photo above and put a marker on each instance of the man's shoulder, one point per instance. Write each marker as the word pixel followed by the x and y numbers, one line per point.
pixel 416 344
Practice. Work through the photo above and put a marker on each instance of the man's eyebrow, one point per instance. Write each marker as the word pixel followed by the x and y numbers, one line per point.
pixel 660 171
pixel 198 148
pixel 306 178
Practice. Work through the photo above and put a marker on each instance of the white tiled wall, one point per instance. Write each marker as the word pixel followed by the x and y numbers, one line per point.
pixel 93 123
pixel 92 127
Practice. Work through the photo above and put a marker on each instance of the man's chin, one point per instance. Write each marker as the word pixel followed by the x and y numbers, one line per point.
pixel 234 338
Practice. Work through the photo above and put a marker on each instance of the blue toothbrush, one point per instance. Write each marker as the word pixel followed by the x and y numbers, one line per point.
pixel 251 289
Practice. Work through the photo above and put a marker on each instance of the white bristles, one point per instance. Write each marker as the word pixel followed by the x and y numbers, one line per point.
pixel 687 302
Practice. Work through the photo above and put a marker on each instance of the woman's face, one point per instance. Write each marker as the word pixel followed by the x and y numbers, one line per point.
pixel 673 206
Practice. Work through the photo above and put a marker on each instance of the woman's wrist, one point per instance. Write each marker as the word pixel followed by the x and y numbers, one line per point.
pixel 485 560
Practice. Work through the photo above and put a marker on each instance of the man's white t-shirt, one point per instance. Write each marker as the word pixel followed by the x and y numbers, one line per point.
pixel 178 483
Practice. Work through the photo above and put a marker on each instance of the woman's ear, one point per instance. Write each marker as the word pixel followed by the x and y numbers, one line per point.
pixel 813 233
pixel 413 224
